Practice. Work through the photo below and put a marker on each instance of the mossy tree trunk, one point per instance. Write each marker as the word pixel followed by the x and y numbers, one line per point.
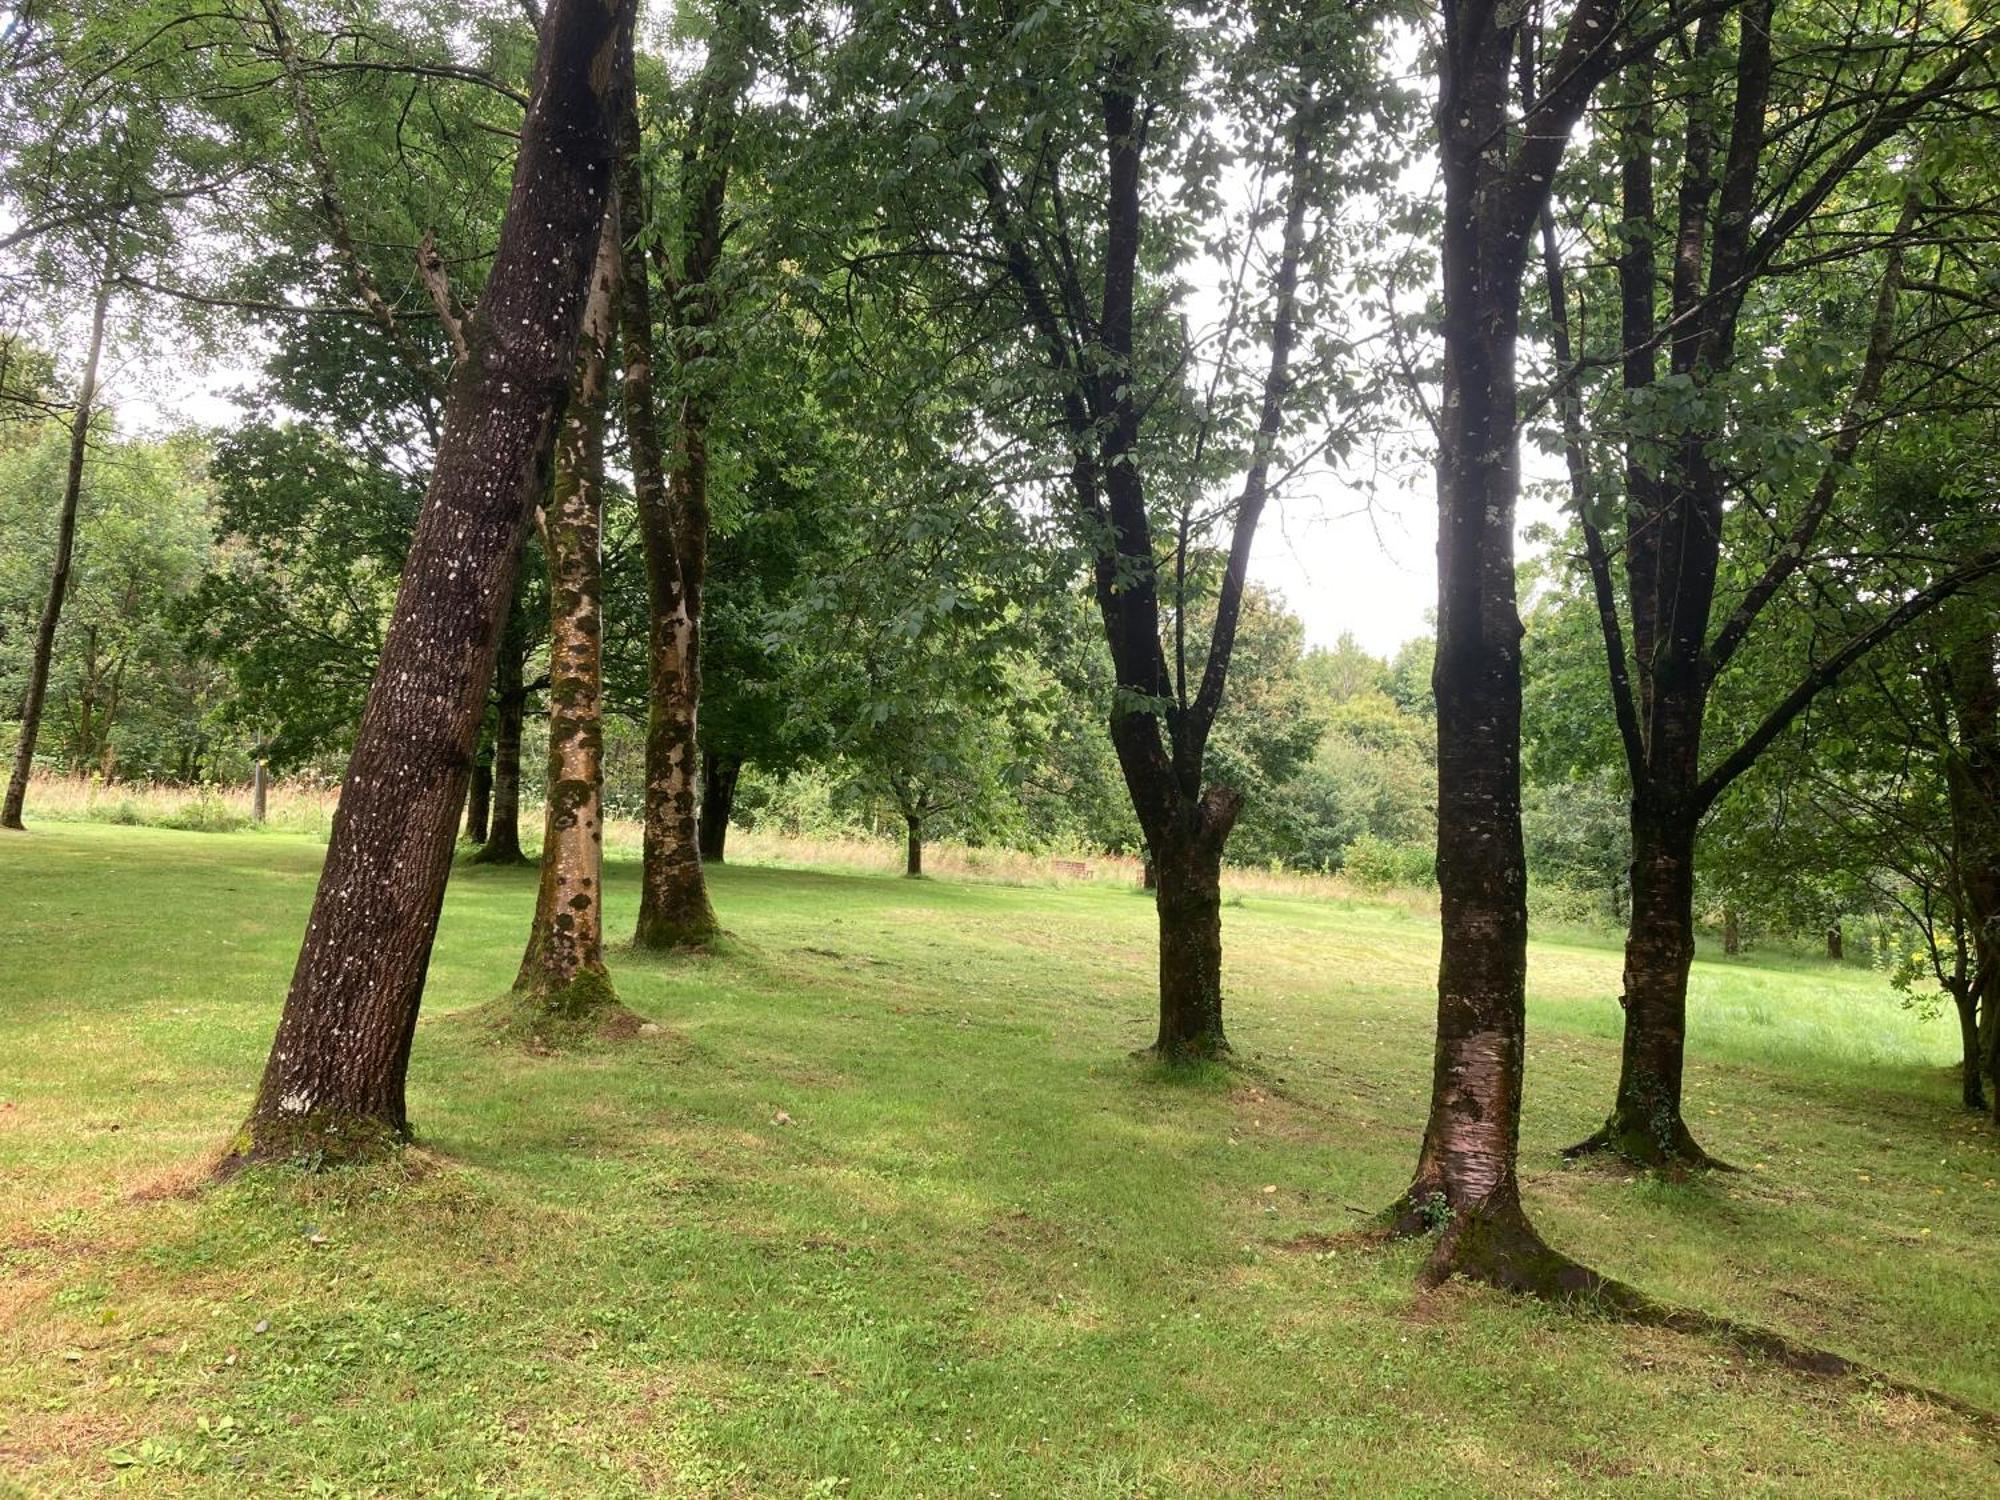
pixel 43 653
pixel 719 774
pixel 562 973
pixel 333 1088
pixel 672 493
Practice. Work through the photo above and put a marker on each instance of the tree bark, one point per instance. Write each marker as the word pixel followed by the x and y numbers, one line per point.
pixel 502 845
pixel 718 801
pixel 333 1089
pixel 1835 946
pixel 562 976
pixel 913 846
pixel 479 797
pixel 1187 895
pixel 1496 179
pixel 260 781
pixel 674 908
pixel 1972 1070
pixel 1645 1123
pixel 45 631
pixel 1732 932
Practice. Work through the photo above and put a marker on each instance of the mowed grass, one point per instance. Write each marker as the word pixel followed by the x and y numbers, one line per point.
pixel 988 1255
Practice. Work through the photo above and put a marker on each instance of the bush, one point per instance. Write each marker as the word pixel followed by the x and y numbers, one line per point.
pixel 206 812
pixel 1377 864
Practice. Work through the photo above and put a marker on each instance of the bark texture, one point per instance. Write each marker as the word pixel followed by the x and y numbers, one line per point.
pixel 479 797
pixel 502 843
pixel 52 606
pixel 562 976
pixel 1496 178
pixel 719 774
pixel 672 493
pixel 333 1088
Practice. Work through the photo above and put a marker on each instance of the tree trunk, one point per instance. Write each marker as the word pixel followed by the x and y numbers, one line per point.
pixel 1645 1124
pixel 1187 894
pixel 1965 999
pixel 333 1089
pixel 913 846
pixel 260 781
pixel 45 631
pixel 1732 932
pixel 1835 948
pixel 1149 872
pixel 562 976
pixel 674 909
pixel 502 845
pixel 718 801
pixel 1496 184
pixel 479 798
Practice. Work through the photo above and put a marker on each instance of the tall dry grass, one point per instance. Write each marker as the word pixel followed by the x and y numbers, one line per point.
pixel 304 807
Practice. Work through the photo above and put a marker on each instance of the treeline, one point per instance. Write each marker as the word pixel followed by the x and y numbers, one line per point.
pixel 892 393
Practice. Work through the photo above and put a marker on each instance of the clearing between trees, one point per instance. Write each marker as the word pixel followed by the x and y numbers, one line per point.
pixel 876 1204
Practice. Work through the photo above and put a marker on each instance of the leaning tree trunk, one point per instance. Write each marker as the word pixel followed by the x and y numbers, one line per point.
pixel 502 844
pixel 1186 861
pixel 333 1088
pixel 1645 1123
pixel 718 801
pixel 563 978
pixel 45 631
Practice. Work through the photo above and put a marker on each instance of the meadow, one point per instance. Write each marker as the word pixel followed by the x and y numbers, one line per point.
pixel 878 1203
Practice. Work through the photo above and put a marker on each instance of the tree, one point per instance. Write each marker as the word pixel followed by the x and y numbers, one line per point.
pixel 671 478
pixel 1771 176
pixel 45 632
pixel 1497 170
pixel 562 974
pixel 333 1088
pixel 1054 165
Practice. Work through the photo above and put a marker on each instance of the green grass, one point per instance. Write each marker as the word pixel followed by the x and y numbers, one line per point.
pixel 989 1254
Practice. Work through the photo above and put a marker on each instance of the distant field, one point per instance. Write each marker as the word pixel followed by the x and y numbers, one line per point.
pixel 988 1255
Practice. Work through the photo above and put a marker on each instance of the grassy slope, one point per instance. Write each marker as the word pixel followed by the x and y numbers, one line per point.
pixel 989 1255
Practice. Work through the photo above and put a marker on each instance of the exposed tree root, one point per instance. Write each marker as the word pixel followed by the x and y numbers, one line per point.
pixel 1501 1249
pixel 1661 1146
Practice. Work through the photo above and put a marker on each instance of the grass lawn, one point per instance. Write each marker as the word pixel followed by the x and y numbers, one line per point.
pixel 987 1256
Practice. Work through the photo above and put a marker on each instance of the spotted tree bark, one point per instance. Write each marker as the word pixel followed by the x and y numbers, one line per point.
pixel 333 1088
pixel 562 973
pixel 672 494
pixel 719 774
pixel 52 605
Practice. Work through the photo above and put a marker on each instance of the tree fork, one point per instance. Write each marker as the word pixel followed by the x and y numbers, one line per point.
pixel 333 1089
